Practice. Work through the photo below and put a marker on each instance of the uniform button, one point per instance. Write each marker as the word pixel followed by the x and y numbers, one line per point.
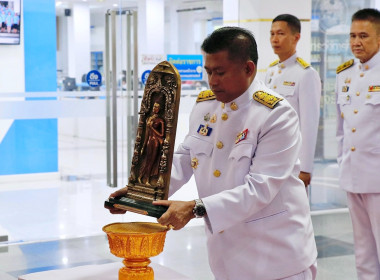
pixel 219 144
pixel 361 74
pixel 234 106
pixel 274 87
pixel 368 96
pixel 353 149
pixel 224 116
pixel 194 163
pixel 353 129
pixel 217 173
pixel 279 71
pixel 342 115
pixel 357 93
pixel 356 111
pixel 366 67
pixel 222 105
pixel 221 231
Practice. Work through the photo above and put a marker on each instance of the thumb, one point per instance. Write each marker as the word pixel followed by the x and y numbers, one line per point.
pixel 162 202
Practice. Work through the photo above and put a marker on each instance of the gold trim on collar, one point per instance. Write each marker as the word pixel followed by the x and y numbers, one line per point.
pixel 344 66
pixel 266 99
pixel 274 63
pixel 206 95
pixel 303 63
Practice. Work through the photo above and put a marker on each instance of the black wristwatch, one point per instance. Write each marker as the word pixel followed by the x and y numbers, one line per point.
pixel 199 209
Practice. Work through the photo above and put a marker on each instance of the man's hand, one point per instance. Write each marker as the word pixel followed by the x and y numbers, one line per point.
pixel 120 192
pixel 178 214
pixel 305 177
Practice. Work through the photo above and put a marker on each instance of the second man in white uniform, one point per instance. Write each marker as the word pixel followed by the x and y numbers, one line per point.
pixel 299 83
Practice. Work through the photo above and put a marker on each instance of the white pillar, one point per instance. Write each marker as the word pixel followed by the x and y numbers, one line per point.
pixel 257 16
pixel 231 12
pixel 78 35
pixel 150 29
pixel 173 28
pixel 376 4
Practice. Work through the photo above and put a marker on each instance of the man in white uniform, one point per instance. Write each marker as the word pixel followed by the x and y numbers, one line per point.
pixel 242 147
pixel 358 134
pixel 298 83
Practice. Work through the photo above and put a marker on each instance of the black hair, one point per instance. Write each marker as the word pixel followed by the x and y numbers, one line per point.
pixel 239 42
pixel 293 22
pixel 371 15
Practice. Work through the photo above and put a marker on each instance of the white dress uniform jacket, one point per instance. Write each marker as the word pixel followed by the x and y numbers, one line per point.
pixel 300 84
pixel 358 126
pixel 246 170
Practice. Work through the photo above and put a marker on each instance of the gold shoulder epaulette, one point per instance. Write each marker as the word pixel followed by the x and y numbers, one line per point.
pixel 344 66
pixel 303 63
pixel 267 99
pixel 205 95
pixel 274 63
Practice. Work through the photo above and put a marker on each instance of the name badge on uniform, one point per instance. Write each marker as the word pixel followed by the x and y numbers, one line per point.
pixel 373 88
pixel 345 88
pixel 204 130
pixel 241 136
pixel 291 84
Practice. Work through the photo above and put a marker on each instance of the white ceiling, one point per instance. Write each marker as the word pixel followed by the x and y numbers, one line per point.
pixel 107 4
pixel 213 6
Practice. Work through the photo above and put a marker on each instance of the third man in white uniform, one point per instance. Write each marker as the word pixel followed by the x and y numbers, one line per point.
pixel 358 133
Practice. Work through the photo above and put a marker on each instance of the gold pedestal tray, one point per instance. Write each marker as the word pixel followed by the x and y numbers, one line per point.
pixel 136 243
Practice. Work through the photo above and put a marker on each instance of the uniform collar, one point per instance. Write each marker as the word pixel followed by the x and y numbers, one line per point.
pixel 375 60
pixel 291 60
pixel 242 100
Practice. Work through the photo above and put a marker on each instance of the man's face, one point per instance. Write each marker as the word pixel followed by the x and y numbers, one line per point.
pixel 364 40
pixel 227 79
pixel 282 39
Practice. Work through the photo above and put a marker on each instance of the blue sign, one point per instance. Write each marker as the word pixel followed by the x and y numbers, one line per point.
pixel 144 76
pixel 94 78
pixel 189 66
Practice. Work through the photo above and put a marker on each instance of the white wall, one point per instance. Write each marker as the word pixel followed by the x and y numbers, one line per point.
pixel 79 56
pixel 257 16
pixel 12 74
pixel 12 70
pixel 97 33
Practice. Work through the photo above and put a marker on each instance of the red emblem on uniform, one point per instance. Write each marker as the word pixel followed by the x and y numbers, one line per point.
pixel 241 136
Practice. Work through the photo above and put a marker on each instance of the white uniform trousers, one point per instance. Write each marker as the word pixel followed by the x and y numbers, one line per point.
pixel 365 216
pixel 308 274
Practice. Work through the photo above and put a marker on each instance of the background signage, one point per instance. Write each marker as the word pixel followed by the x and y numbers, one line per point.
pixel 145 76
pixel 94 78
pixel 189 66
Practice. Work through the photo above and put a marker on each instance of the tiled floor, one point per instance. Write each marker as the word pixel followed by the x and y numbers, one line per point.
pixel 56 222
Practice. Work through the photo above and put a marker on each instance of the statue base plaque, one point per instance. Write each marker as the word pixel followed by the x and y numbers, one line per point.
pixel 137 206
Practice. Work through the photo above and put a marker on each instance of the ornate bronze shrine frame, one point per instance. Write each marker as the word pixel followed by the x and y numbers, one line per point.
pixel 154 145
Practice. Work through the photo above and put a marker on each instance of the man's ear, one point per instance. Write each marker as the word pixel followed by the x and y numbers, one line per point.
pixel 250 67
pixel 297 36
